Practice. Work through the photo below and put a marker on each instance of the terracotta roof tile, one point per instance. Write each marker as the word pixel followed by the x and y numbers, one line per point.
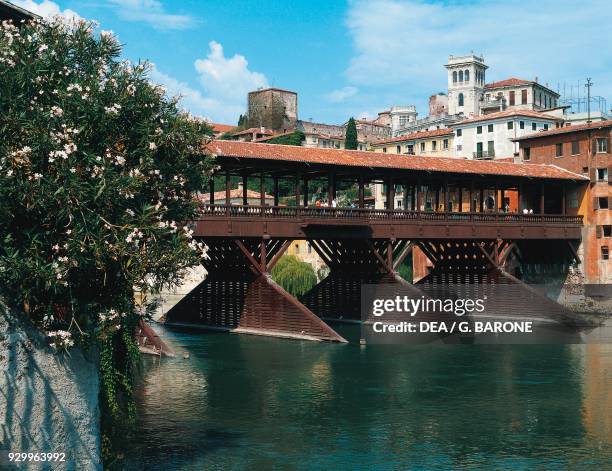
pixel 508 114
pixel 216 127
pixel 324 156
pixel 566 130
pixel 509 82
pixel 253 130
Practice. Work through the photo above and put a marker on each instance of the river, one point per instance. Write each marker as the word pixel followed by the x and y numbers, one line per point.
pixel 250 402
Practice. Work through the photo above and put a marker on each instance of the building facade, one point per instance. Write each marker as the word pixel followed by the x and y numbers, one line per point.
pixel 517 94
pixel 466 84
pixel 491 136
pixel 583 149
pixel 429 143
pixel 272 108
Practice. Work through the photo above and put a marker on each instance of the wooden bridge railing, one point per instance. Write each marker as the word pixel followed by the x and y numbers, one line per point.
pixel 312 212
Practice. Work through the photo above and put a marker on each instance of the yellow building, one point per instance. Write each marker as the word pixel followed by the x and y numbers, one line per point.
pixel 437 143
pixel 303 250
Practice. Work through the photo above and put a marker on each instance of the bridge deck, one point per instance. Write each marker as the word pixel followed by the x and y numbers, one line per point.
pixel 305 222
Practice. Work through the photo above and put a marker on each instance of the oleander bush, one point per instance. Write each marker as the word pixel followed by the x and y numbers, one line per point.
pixel 98 168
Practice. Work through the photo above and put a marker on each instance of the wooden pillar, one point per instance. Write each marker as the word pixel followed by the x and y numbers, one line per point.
pixel 519 195
pixel 244 190
pixel 437 208
pixel 496 190
pixel 418 195
pixel 563 200
pixel 446 195
pixel 276 198
pixel 481 199
pixel 361 193
pixel 211 200
pixel 391 194
pixel 460 198
pixel 502 199
pixel 305 191
pixel 227 190
pixel 263 255
pixel 472 205
pixel 297 190
pixel 331 188
pixel 262 191
pixel 390 255
pixel 542 199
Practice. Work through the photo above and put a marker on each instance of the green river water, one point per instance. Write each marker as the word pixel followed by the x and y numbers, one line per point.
pixel 249 402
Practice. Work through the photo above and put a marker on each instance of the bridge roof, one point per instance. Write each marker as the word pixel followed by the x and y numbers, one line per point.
pixel 374 160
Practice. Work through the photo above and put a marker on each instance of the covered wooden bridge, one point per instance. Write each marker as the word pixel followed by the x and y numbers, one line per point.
pixel 466 216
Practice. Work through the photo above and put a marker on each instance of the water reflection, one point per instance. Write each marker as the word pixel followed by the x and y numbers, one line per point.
pixel 252 402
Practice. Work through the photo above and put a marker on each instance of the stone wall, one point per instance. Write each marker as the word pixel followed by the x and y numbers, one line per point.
pixel 48 401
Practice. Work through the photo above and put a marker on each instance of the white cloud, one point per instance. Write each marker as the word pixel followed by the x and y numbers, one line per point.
pixel 46 9
pixel 225 82
pixel 403 44
pixel 342 94
pixel 151 12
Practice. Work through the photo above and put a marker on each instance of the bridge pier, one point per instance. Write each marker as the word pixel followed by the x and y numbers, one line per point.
pixel 239 295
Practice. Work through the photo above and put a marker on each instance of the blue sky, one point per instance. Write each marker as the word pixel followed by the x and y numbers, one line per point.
pixel 349 58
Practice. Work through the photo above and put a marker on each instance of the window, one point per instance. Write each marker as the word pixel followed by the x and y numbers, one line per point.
pixel 585 170
pixel 460 99
pixel 572 200
pixel 445 143
pixel 559 150
pixel 478 129
pixel 491 149
pixel 510 125
pixel 602 145
pixel 602 174
pixel 479 150
pixel 524 97
pixel 461 75
pixel 605 253
pixel 410 149
pixel 398 204
pixel 575 147
pixel 607 231
pixel 546 127
pixel 522 124
pixel 459 148
pixel 385 150
pixel 459 131
pixel 422 147
pixel 297 248
pixel 534 126
pixel 455 76
pixel 512 97
pixel 466 76
pixel 526 154
pixel 308 247
pixel 540 98
pixel 398 149
pixel 602 202
pixel 434 145
pixel 490 128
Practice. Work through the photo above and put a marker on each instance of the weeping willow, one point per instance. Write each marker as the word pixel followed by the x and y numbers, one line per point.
pixel 296 277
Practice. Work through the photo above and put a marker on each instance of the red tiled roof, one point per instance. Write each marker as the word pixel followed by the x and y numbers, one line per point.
pixel 510 82
pixel 235 193
pixel 416 135
pixel 216 127
pixel 567 130
pixel 267 138
pixel 324 156
pixel 254 130
pixel 508 114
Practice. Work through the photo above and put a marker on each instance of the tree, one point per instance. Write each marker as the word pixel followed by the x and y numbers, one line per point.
pixel 98 169
pixel 291 139
pixel 296 277
pixel 350 139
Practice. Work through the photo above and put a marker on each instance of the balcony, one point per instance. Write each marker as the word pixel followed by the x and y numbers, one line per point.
pixel 484 155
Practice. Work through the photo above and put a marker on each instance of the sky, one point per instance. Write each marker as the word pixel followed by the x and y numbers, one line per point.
pixel 349 58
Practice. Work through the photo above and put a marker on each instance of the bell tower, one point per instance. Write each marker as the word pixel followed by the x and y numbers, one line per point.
pixel 466 81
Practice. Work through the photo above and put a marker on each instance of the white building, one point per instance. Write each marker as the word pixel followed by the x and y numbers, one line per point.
pixel 489 136
pixel 466 84
pixel 517 94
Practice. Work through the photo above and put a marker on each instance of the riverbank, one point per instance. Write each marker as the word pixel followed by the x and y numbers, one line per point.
pixel 49 400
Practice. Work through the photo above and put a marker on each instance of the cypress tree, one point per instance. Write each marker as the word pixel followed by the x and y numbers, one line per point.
pixel 350 138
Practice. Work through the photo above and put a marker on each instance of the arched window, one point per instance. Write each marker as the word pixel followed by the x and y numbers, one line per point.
pixel 461 75
pixel 460 99
pixel 466 76
pixel 455 76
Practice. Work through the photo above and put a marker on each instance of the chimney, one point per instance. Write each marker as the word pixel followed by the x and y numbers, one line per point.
pixel 536 79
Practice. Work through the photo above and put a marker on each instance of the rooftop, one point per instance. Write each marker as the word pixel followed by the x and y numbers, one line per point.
pixel 416 135
pixel 253 130
pixel 374 160
pixel 273 88
pixel 216 127
pixel 567 130
pixel 516 82
pixel 508 114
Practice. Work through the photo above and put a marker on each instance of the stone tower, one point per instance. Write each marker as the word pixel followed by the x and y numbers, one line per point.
pixel 466 81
